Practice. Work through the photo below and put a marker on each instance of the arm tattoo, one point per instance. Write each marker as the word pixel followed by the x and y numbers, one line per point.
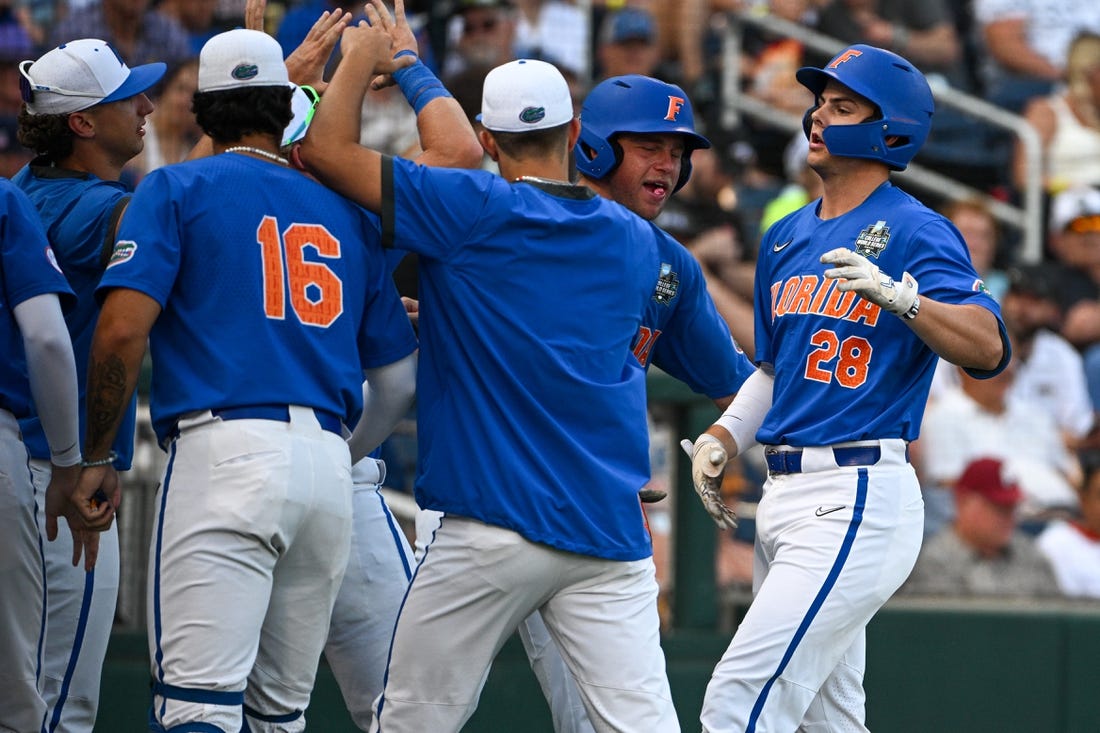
pixel 107 392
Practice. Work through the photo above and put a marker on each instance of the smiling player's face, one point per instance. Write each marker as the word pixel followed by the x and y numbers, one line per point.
pixel 650 167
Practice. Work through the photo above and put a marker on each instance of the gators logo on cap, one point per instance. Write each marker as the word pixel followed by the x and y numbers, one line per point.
pixel 531 115
pixel 243 72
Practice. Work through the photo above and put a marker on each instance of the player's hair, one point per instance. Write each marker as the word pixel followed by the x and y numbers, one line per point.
pixel 534 144
pixel 47 135
pixel 230 114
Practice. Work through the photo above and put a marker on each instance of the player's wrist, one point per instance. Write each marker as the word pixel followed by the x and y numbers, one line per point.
pixel 905 304
pixel 705 440
pixel 106 460
pixel 67 458
pixel 419 85
pixel 913 310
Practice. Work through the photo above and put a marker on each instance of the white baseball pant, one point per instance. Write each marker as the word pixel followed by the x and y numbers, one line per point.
pixel 21 581
pixel 473 587
pixel 80 611
pixel 832 545
pixel 249 547
pixel 558 686
pixel 379 567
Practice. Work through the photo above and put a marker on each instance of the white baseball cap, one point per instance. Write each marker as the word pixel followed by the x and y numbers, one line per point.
pixel 525 95
pixel 81 74
pixel 241 58
pixel 1078 208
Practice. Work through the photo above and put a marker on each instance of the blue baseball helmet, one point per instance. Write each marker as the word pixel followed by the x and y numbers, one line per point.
pixel 892 84
pixel 633 103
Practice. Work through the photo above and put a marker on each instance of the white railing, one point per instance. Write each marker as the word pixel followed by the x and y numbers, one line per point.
pixel 1026 219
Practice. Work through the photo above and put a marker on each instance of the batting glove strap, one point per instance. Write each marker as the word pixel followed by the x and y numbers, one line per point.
pixel 856 273
pixel 708 462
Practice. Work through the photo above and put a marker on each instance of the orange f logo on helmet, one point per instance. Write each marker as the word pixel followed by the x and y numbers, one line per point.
pixel 851 53
pixel 675 104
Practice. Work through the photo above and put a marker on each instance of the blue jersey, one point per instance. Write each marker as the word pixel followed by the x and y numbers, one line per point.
pixel 274 289
pixel 531 406
pixel 78 211
pixel 844 368
pixel 682 332
pixel 27 269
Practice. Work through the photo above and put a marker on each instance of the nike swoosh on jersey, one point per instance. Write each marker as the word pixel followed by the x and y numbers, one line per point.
pixel 780 247
pixel 822 511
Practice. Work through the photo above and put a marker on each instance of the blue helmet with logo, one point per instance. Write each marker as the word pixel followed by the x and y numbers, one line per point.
pixel 633 103
pixel 892 84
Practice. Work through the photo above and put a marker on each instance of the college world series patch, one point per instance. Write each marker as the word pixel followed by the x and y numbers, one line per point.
pixel 667 285
pixel 872 240
pixel 124 250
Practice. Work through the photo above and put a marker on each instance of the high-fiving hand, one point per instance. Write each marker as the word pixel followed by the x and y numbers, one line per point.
pixel 708 462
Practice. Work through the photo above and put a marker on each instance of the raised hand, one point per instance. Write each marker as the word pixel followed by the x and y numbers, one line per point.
pixel 306 64
pixel 254 12
pixel 402 39
pixel 859 274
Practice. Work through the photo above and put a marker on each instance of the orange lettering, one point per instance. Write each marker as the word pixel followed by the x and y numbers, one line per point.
pixel 864 310
pixel 675 104
pixel 851 53
pixel 838 303
pixel 801 302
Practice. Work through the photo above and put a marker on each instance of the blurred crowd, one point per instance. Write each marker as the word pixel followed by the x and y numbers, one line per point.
pixel 1010 466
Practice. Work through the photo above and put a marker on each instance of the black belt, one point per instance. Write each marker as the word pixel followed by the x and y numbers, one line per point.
pixel 790 461
pixel 279 413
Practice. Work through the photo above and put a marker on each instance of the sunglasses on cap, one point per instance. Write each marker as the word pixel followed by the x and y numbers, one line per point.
pixel 314 100
pixel 27 86
pixel 1084 224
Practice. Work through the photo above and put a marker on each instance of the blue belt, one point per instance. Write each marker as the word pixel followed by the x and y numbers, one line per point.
pixel 280 413
pixel 790 461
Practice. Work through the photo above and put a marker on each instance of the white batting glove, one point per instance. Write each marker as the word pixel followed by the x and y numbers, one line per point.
pixel 859 274
pixel 708 461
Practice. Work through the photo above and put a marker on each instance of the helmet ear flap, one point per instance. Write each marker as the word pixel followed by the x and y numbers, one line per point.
pixel 685 172
pixel 807 120
pixel 596 157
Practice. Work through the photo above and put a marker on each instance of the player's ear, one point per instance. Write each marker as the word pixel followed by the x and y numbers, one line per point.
pixel 82 124
pixel 574 132
pixel 488 144
pixel 295 157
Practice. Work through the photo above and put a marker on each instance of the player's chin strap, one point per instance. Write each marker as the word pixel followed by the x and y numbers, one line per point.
pixel 211 697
